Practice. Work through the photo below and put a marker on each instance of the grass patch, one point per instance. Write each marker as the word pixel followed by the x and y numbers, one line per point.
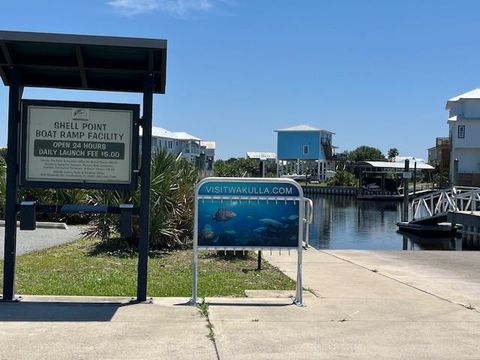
pixel 90 267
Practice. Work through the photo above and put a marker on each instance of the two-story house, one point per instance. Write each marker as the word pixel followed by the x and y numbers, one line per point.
pixel 464 133
pixel 305 151
pixel 200 153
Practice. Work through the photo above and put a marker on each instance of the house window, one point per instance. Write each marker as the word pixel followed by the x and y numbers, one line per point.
pixel 305 149
pixel 461 131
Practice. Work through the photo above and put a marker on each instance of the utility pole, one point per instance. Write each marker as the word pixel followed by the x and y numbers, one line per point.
pixel 414 178
pixel 405 191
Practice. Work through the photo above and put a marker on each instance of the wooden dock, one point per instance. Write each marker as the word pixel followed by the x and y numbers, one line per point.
pixel 330 190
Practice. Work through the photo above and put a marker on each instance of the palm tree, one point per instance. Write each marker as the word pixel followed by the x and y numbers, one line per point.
pixel 392 154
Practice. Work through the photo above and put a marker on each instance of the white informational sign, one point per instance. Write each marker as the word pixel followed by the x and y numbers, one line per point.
pixel 78 144
pixel 407 174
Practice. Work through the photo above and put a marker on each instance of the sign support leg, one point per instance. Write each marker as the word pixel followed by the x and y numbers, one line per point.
pixel 10 246
pixel 145 188
pixel 299 289
pixel 259 260
pixel 193 300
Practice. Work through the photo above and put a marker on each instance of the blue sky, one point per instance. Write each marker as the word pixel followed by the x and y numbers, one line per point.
pixel 375 72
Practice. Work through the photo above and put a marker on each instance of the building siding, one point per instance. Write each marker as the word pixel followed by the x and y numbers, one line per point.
pixel 290 146
pixel 467 148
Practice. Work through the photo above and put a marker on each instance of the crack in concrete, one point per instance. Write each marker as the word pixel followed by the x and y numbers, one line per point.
pixel 203 307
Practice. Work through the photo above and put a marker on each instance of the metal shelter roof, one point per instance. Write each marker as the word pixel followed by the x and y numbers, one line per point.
pixel 83 62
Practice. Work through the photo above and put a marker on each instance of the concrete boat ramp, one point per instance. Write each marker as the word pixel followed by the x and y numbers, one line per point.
pixel 359 305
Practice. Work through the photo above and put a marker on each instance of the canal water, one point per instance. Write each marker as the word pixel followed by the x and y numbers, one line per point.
pixel 343 222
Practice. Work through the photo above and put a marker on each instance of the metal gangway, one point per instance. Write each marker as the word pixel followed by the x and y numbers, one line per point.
pixel 434 207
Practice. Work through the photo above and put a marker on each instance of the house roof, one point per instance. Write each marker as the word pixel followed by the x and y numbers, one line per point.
pixel 164 133
pixel 412 159
pixel 261 155
pixel 160 132
pixel 83 62
pixel 185 136
pixel 472 94
pixel 211 145
pixel 396 165
pixel 303 128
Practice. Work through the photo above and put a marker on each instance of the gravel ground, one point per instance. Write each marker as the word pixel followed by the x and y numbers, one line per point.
pixel 28 241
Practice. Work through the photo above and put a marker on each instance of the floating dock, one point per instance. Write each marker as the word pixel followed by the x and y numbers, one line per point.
pixel 443 228
pixel 470 221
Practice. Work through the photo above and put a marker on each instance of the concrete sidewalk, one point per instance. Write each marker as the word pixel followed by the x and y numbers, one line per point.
pixel 102 328
pixel 367 305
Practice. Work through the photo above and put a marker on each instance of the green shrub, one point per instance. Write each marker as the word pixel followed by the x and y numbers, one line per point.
pixel 342 178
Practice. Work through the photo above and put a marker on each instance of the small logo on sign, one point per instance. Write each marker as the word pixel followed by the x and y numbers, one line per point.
pixel 80 114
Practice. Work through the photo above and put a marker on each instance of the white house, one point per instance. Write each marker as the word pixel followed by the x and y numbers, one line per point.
pixel 200 153
pixel 464 125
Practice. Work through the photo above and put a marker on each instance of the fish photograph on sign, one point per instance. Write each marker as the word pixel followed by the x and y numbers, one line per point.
pixel 244 223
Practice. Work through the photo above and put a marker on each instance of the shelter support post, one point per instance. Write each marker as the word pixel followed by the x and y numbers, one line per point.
pixel 10 246
pixel 145 188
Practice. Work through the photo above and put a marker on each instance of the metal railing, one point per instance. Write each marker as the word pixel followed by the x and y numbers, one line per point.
pixel 307 221
pixel 458 198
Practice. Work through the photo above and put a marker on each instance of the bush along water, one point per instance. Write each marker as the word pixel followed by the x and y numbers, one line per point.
pixel 171 205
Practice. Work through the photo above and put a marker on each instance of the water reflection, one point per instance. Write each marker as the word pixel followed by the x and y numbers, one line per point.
pixel 343 222
pixel 415 242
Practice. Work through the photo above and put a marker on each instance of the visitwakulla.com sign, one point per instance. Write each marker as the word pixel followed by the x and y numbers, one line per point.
pixel 246 213
pixel 250 188
pixel 79 144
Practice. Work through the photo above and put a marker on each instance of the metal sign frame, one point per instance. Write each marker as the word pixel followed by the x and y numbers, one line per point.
pixel 14 120
pixel 53 183
pixel 252 199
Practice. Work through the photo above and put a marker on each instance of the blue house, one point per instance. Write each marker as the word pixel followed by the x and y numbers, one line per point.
pixel 304 150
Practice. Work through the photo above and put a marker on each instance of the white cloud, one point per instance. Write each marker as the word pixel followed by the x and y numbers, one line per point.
pixel 133 7
pixel 172 7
